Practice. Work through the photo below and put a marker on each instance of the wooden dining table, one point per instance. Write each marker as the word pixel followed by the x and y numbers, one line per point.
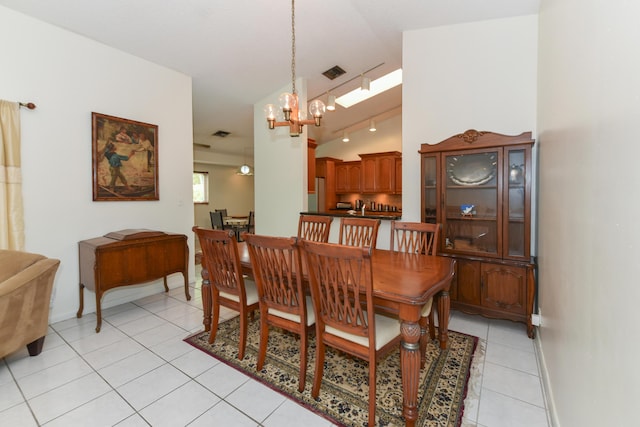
pixel 402 283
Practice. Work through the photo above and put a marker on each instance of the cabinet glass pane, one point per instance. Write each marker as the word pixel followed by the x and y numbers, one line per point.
pixel 471 202
pixel 516 202
pixel 429 190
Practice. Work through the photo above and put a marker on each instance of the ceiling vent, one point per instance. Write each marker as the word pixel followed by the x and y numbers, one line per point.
pixel 333 72
pixel 221 134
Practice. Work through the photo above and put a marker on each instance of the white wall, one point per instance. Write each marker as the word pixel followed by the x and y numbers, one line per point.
pixel 588 209
pixel 68 77
pixel 280 174
pixel 479 75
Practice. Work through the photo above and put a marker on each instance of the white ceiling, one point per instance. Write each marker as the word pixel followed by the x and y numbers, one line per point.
pixel 239 51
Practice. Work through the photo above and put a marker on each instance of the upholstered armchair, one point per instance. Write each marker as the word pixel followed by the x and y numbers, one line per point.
pixel 26 281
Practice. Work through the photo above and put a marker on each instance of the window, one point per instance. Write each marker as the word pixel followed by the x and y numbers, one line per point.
pixel 201 187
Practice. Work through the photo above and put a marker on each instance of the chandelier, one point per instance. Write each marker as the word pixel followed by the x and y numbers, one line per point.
pixel 293 116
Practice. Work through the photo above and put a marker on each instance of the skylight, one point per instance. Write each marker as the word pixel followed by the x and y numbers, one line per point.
pixel 378 86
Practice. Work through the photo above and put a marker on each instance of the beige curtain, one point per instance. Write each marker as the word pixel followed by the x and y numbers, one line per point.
pixel 11 210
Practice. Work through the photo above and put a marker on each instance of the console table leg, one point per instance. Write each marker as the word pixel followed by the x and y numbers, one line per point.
pixel 81 309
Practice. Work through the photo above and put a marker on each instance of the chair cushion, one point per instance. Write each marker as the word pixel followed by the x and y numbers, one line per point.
pixel 426 309
pixel 387 328
pixel 250 289
pixel 311 315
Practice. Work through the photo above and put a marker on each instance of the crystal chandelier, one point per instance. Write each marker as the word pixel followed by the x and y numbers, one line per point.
pixel 293 117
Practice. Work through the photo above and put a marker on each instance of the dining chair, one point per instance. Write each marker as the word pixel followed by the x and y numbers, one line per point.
pixel 217 221
pixel 284 304
pixel 249 227
pixel 358 231
pixel 341 281
pixel 222 281
pixel 421 238
pixel 224 212
pixel 314 227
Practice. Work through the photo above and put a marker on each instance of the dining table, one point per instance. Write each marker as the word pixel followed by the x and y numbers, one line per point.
pixel 402 284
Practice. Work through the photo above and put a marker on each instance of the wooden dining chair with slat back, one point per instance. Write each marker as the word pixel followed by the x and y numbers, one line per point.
pixel 222 281
pixel 358 231
pixel 341 281
pixel 314 227
pixel 284 304
pixel 419 238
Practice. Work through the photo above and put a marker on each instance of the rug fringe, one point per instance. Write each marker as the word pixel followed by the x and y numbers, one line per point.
pixel 474 384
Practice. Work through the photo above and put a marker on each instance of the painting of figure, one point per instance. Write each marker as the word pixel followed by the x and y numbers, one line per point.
pixel 125 159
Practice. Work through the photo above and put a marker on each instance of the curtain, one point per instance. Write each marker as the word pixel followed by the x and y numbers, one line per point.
pixel 11 208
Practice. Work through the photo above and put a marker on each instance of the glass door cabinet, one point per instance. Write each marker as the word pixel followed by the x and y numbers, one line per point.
pixel 477 185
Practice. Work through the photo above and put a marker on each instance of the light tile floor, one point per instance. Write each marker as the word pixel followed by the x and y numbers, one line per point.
pixel 137 372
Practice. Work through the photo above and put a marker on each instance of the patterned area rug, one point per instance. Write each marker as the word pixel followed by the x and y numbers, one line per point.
pixel 344 392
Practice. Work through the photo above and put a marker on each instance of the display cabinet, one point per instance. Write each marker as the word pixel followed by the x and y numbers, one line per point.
pixel 478 186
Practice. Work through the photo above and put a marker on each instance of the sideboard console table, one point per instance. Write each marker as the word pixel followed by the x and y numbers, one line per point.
pixel 130 257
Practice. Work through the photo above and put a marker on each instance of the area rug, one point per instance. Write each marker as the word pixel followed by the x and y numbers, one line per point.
pixel 344 392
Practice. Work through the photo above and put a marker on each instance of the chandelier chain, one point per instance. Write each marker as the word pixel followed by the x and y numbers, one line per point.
pixel 293 46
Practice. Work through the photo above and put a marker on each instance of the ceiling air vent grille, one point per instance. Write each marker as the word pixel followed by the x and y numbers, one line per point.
pixel 334 72
pixel 221 134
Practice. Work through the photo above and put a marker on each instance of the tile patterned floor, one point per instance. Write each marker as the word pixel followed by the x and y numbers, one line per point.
pixel 138 372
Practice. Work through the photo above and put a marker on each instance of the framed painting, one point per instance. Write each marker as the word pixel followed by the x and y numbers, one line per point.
pixel 125 159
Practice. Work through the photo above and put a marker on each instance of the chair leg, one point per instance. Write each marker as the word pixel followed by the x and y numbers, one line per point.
pixel 303 359
pixel 264 341
pixel 317 379
pixel 423 340
pixel 243 334
pixel 35 347
pixel 215 318
pixel 372 392
pixel 432 324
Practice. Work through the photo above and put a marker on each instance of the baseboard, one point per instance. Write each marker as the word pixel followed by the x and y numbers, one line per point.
pixel 552 417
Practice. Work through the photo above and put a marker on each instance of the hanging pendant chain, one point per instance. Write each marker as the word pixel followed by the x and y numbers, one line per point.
pixel 293 46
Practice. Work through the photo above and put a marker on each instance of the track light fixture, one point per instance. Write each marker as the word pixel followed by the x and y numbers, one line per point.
pixel 365 84
pixel 331 102
pixel 372 125
pixel 345 136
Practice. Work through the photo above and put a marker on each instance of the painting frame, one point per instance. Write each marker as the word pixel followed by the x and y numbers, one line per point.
pixel 124 159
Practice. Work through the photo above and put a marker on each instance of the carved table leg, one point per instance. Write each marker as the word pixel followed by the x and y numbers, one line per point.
pixel 410 365
pixel 81 309
pixel 206 299
pixel 98 311
pixel 186 285
pixel 443 317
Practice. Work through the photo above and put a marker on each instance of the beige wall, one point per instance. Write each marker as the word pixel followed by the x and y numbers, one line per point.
pixel 226 190
pixel 68 77
pixel 589 81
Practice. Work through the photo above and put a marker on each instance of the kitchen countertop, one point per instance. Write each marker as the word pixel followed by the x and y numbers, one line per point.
pixel 384 215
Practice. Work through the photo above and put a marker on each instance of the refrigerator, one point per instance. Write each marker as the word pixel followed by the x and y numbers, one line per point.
pixel 317 199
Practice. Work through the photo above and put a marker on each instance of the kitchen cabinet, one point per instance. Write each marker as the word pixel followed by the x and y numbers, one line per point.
pixel 378 174
pixel 348 177
pixel 326 168
pixel 311 165
pixel 478 186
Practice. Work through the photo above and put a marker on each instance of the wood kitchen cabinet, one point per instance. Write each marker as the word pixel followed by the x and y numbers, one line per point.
pixel 326 168
pixel 478 186
pixel 311 165
pixel 348 177
pixel 378 174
